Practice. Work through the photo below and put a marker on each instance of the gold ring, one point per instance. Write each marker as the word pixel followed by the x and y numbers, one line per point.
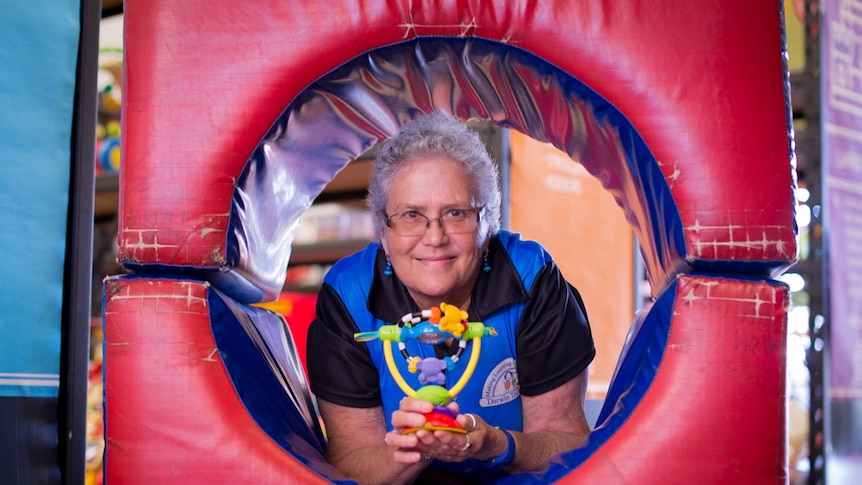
pixel 468 444
pixel 472 418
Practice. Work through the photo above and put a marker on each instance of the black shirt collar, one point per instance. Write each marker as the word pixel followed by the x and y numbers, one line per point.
pixel 389 300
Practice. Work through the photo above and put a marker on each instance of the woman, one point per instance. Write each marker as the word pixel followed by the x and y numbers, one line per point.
pixel 436 199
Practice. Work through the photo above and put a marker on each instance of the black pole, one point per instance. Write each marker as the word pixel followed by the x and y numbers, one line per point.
pixel 77 294
pixel 809 147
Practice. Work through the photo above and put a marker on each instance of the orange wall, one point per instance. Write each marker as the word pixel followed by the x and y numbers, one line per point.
pixel 557 202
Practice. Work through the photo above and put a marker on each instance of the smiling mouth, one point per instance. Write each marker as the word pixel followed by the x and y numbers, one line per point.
pixel 436 259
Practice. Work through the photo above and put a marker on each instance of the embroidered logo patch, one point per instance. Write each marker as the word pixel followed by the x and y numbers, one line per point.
pixel 502 385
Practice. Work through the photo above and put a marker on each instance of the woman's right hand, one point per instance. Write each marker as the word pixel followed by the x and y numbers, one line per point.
pixel 418 445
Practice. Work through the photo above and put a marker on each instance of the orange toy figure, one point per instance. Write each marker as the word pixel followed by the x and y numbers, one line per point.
pixel 452 320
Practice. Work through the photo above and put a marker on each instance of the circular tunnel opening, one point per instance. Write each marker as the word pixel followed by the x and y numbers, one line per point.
pixel 363 102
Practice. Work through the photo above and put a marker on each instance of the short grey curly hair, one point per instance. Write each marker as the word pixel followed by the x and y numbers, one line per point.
pixel 438 133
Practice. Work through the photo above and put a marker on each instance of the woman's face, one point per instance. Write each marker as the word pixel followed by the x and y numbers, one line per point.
pixel 435 266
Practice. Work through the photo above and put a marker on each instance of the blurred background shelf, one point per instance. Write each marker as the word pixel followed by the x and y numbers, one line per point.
pixel 107 195
pixel 327 252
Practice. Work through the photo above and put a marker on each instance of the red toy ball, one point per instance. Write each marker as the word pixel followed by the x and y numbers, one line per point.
pixel 441 418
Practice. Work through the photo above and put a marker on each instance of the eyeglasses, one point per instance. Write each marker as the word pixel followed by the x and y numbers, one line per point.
pixel 452 221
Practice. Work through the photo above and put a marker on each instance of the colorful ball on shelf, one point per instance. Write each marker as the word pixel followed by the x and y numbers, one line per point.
pixel 112 128
pixel 109 154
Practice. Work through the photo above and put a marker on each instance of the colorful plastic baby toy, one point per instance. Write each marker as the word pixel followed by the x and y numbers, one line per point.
pixel 431 327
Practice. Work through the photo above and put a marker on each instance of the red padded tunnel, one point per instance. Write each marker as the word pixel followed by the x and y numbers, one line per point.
pixel 699 88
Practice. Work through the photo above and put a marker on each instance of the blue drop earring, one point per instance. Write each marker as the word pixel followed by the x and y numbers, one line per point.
pixel 486 267
pixel 388 269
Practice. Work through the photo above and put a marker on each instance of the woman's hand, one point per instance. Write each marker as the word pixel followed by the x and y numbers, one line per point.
pixel 424 444
pixel 357 447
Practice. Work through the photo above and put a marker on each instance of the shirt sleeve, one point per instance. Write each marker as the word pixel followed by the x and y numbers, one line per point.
pixel 340 370
pixel 554 341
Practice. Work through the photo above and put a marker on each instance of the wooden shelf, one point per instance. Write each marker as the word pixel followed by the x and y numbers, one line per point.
pixel 325 252
pixel 107 200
